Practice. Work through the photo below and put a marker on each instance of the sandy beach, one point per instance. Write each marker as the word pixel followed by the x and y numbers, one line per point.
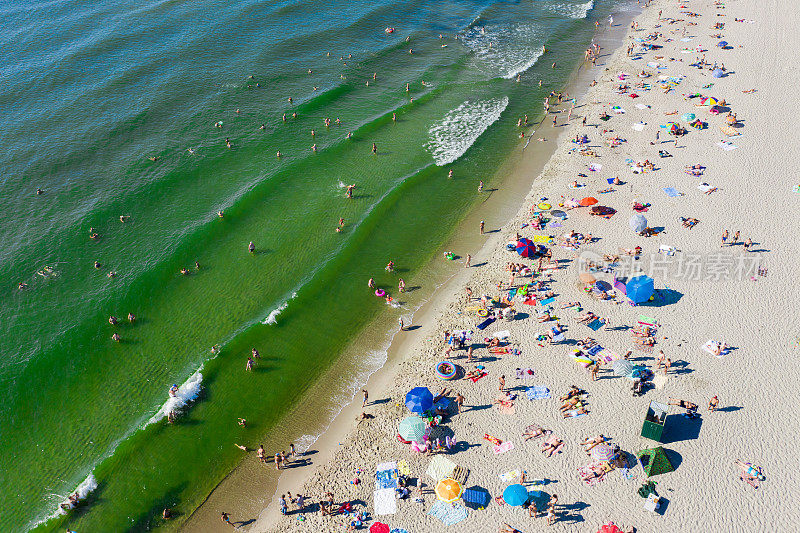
pixel 738 293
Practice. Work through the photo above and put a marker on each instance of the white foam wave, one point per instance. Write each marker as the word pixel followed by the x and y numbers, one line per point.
pixel 460 128
pixel 504 51
pixel 272 317
pixel 570 10
pixel 64 505
pixel 187 393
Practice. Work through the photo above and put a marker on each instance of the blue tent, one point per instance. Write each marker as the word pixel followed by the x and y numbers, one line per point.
pixel 639 289
pixel 419 400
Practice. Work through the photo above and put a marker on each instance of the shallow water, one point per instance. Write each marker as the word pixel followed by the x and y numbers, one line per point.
pixel 90 92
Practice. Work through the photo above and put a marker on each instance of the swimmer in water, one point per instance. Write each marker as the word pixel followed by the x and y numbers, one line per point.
pixel 290 100
pixel 313 133
pixel 112 320
pixel 313 147
pixel 284 117
pixel 450 174
pixel 38 191
pixel 116 338
pixel 153 158
pixel 228 143
pixel 480 186
pixel 371 283
pixel 263 127
pixel 278 153
pixel 131 318
pixel 220 214
pixel 251 247
pixel 349 192
pixel 374 148
pixel 97 265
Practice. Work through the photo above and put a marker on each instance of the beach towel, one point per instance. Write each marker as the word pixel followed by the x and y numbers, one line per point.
pixel 449 513
pixel 595 167
pixel 460 474
pixel 639 126
pixel 586 471
pixel 502 448
pixel 659 381
pixel 709 347
pixel 537 392
pixel 646 321
pixel 546 239
pixel 574 414
pixel 386 476
pixel 403 468
pixel 642 106
pixel 384 502
pixel 672 192
pixel 547 301
pixel 524 373
pixel 485 323
pixel 440 467
pixel 595 324
pixel 608 357
pixel 594 350
pixel 502 335
pixel 727 145
pixel 508 477
pixel 476 378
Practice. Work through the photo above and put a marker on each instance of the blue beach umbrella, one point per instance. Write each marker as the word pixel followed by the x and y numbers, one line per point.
pixel 717 73
pixel 515 495
pixel 639 289
pixel 526 248
pixel 722 44
pixel 419 400
pixel 637 223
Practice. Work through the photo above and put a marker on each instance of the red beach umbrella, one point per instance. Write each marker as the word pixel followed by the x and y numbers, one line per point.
pixel 379 527
pixel 586 202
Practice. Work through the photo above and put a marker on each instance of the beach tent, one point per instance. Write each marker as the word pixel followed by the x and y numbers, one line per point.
pixel 654 461
pixel 419 400
pixel 558 213
pixel 476 497
pixel 448 490
pixel 653 426
pixel 526 248
pixel 638 223
pixel 639 289
pixel 412 428
pixel 586 202
pixel 515 495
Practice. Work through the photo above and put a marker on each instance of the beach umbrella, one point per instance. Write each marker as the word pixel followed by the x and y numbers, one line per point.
pixel 639 289
pixel 688 117
pixel 448 490
pixel 526 248
pixel 412 428
pixel 603 285
pixel 419 400
pixel 557 213
pixel 710 100
pixel 717 73
pixel 603 452
pixel 515 495
pixel 637 223
pixel 722 44
pixel 379 527
pixel 609 528
pixel 622 367
pixel 586 202
pixel 603 210
pixel 586 277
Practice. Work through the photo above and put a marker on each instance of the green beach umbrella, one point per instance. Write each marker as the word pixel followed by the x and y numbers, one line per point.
pixel 412 428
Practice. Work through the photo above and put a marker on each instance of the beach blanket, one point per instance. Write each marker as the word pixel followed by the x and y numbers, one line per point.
pixel 403 468
pixel 485 323
pixel 586 473
pixel 595 324
pixel 544 239
pixel 385 501
pixel 727 145
pixel 386 476
pixel 502 335
pixel 573 414
pixel 709 347
pixel 449 513
pixel 537 392
pixel 524 373
pixel 671 192
pixel 502 448
pixel 476 378
pixel 607 356
pixel 639 126
pixel 440 467
pixel 547 301
pixel 508 477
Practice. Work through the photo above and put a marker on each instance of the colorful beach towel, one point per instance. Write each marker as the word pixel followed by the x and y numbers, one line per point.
pixel 671 192
pixel 503 448
pixel 595 324
pixel 547 301
pixel 709 347
pixel 386 478
pixel 508 477
pixel 449 513
pixel 537 392
pixel 403 468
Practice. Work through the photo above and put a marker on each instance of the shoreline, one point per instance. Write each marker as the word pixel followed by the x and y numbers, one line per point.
pixel 362 444
pixel 527 162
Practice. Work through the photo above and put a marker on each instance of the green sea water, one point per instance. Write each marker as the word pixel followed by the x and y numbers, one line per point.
pixel 91 92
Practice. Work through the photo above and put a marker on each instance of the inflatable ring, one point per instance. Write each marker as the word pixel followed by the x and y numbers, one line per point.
pixel 483 312
pixel 445 370
pixel 544 206
pixel 380 293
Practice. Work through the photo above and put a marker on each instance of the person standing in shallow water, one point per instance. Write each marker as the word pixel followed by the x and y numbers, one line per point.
pixel 251 247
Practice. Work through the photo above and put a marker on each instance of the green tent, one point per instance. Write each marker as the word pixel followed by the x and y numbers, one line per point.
pixel 654 461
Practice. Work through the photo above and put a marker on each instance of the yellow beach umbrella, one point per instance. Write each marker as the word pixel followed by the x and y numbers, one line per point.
pixel 448 490
pixel 710 101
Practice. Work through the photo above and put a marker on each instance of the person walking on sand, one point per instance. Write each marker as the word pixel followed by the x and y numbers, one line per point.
pixel 283 504
pixel 467 264
pixel 724 237
pixel 483 224
pixel 226 519
pixel 402 325
pixel 735 238
pixel 278 461
pixel 480 186
pixel 260 454
pixel 713 403
pixel 366 398
pixel 747 244
pixel 292 450
pixel 459 402
pixel 502 381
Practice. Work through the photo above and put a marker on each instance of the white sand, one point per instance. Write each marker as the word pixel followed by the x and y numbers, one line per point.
pixel 755 382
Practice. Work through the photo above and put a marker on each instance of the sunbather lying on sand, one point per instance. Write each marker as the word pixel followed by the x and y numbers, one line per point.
pixel 591 443
pixel 474 374
pixel 586 317
pixel 682 403
pixel 598 471
pixel 581 411
pixel 573 391
pixel 588 342
pixel 549 447
pixel 572 403
pixel 571 304
pixel 689 222
pixel 533 433
pixel 644 341
pixel 505 528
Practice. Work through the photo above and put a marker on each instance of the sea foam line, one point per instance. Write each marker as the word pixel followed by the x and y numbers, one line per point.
pixel 83 490
pixel 452 136
pixel 574 11
pixel 187 393
pixel 272 317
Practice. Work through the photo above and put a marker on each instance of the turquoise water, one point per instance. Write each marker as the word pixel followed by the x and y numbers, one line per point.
pixel 91 92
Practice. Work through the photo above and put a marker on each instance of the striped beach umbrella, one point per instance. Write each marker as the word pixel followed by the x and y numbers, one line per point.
pixel 603 452
pixel 412 428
